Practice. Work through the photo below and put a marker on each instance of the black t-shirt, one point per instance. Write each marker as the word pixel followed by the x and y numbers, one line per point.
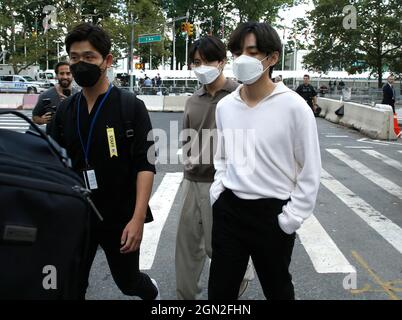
pixel 307 92
pixel 43 106
pixel 116 176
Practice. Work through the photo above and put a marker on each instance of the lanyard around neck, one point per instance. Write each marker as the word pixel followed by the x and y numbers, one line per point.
pixel 87 146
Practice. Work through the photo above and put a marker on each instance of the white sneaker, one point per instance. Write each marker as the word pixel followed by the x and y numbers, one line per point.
pixel 158 297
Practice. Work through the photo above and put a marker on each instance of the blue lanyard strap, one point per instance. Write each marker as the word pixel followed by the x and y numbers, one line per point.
pixel 86 148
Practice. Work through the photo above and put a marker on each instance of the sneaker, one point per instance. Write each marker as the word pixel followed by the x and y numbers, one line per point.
pixel 243 287
pixel 158 297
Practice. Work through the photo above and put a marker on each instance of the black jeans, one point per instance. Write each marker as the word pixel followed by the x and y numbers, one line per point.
pixel 244 228
pixel 124 267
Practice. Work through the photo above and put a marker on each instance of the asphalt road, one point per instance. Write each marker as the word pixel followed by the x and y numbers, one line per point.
pixel 350 249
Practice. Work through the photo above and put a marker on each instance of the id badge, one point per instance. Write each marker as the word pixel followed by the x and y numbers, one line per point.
pixel 112 142
pixel 90 179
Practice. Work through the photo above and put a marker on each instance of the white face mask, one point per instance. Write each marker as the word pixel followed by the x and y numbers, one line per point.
pixel 248 69
pixel 206 74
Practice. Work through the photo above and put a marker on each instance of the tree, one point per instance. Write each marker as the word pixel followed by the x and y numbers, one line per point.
pixel 21 33
pixel 113 15
pixel 219 17
pixel 375 42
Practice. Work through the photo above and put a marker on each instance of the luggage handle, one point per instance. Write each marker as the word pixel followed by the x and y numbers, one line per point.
pixel 58 151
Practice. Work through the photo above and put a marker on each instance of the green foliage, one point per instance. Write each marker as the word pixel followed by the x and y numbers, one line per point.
pixel 375 43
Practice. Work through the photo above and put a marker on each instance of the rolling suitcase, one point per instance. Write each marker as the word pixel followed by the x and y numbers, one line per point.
pixel 44 218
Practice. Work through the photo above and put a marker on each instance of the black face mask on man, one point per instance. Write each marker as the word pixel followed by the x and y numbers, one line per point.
pixel 86 74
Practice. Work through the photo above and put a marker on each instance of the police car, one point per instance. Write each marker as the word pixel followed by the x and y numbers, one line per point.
pixel 21 84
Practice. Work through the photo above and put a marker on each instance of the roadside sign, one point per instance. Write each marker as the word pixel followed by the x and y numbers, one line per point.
pixel 149 38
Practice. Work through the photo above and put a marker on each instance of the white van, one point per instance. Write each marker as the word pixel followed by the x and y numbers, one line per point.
pixel 48 76
pixel 21 84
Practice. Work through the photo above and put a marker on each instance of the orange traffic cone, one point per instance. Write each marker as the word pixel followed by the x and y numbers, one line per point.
pixel 396 126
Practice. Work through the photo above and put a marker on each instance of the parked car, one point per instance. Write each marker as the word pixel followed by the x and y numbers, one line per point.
pixel 21 84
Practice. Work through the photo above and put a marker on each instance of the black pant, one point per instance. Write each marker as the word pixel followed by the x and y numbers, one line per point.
pixel 124 267
pixel 244 228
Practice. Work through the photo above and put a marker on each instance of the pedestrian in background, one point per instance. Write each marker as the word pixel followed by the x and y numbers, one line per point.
pixel 308 93
pixel 388 91
pixel 49 100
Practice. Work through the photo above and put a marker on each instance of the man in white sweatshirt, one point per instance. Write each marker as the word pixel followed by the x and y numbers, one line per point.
pixel 267 170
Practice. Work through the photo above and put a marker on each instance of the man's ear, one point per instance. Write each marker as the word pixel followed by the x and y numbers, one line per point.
pixel 109 60
pixel 274 58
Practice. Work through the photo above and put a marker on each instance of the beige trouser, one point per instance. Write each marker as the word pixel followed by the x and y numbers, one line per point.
pixel 193 242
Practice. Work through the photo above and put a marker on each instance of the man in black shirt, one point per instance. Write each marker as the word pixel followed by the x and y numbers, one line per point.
pixel 306 90
pixel 49 100
pixel 114 165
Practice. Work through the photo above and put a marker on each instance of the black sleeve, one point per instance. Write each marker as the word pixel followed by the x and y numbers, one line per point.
pixel 143 145
pixel 56 131
pixel 313 92
pixel 39 109
pixel 298 90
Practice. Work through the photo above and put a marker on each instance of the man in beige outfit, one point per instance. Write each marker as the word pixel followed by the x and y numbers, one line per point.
pixel 193 245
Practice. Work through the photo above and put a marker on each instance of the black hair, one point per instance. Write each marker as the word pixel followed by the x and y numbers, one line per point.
pixel 210 49
pixel 306 75
pixel 267 39
pixel 58 65
pixel 96 36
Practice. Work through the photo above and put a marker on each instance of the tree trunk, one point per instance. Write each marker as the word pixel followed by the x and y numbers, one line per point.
pixel 379 71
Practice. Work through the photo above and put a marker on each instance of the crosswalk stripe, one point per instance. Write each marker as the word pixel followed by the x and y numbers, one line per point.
pixel 376 178
pixel 15 128
pixel 381 224
pixel 385 159
pixel 322 250
pixel 160 203
pixel 12 122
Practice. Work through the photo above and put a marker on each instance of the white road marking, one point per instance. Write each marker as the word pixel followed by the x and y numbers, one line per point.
pixel 365 141
pixel 356 147
pixel 160 203
pixel 329 136
pixel 385 159
pixel 391 232
pixel 322 250
pixel 376 178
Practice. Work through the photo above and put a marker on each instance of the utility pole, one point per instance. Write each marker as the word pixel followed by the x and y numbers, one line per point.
pixel 25 40
pixel 150 56
pixel 174 43
pixel 130 63
pixel 36 41
pixel 187 15
pixel 13 31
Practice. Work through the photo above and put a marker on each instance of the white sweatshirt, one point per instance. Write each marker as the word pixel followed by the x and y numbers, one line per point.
pixel 283 157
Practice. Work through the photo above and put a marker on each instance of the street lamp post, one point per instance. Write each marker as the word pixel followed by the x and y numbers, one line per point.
pixel 186 62
pixel 130 64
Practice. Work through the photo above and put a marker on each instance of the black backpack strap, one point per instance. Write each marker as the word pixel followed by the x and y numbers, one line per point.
pixel 127 109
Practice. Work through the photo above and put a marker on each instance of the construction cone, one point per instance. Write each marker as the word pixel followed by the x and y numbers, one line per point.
pixel 396 126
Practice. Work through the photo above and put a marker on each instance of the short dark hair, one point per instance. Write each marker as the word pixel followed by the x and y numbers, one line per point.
pixel 306 75
pixel 268 40
pixel 96 36
pixel 59 64
pixel 210 49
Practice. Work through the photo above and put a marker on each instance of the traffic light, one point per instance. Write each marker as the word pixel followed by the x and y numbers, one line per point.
pixel 190 29
pixel 184 27
pixel 139 66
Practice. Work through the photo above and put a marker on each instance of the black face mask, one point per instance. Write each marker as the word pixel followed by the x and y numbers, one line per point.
pixel 85 74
